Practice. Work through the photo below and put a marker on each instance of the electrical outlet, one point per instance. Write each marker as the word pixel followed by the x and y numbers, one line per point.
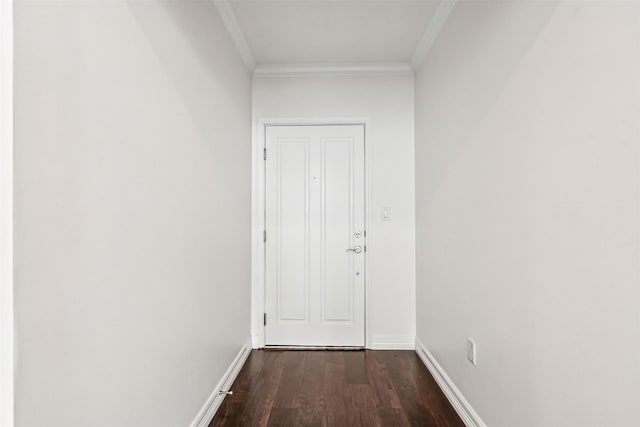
pixel 471 351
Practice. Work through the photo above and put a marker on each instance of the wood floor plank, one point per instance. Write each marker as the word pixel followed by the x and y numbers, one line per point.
pixel 311 416
pixel 356 368
pixel 361 408
pixel 335 388
pixel 335 407
pixel 229 414
pixel 291 380
pixel 384 392
pixel 283 417
pixel 433 400
pixel 231 411
pixel 414 397
pixel 263 392
pixel 334 356
pixel 312 389
pixel 407 391
pixel 391 417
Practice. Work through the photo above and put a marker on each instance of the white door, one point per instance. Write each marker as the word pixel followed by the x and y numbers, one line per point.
pixel 315 237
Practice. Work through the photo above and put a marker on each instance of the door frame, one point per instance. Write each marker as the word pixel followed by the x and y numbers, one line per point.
pixel 258 200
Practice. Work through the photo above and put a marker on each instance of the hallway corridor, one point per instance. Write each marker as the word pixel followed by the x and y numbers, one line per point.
pixel 335 388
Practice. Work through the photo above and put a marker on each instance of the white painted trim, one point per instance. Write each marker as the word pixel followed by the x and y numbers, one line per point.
pixel 229 18
pixel 444 9
pixel 457 400
pixel 255 338
pixel 258 287
pixel 332 70
pixel 7 375
pixel 206 414
pixel 435 25
pixel 393 342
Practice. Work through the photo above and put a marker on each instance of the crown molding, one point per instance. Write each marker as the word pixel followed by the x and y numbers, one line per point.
pixel 444 9
pixel 333 70
pixel 230 21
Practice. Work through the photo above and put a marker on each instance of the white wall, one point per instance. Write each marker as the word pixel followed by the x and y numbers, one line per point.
pixel 6 214
pixel 133 211
pixel 388 102
pixel 527 198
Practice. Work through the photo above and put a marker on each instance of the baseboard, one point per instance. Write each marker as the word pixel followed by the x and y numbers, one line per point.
pixel 457 400
pixel 393 342
pixel 215 399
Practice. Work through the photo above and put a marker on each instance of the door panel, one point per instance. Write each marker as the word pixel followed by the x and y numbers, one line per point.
pixel 314 214
pixel 337 225
pixel 293 233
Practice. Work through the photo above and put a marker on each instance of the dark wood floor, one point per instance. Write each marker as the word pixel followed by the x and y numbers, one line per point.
pixel 335 388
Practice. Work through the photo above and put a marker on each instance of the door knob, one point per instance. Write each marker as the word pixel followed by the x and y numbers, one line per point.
pixel 356 249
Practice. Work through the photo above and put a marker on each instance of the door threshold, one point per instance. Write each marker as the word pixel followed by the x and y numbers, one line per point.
pixel 311 348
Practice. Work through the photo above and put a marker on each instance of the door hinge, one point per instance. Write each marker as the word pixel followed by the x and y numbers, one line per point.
pixel 265 319
pixel 264 154
pixel 264 236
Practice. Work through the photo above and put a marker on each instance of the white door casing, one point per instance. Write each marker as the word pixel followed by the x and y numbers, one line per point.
pixel 314 215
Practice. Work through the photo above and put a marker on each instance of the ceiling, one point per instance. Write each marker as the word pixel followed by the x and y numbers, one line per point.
pixel 331 31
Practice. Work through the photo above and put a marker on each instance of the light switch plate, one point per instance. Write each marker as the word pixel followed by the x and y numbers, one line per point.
pixel 471 351
pixel 386 213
